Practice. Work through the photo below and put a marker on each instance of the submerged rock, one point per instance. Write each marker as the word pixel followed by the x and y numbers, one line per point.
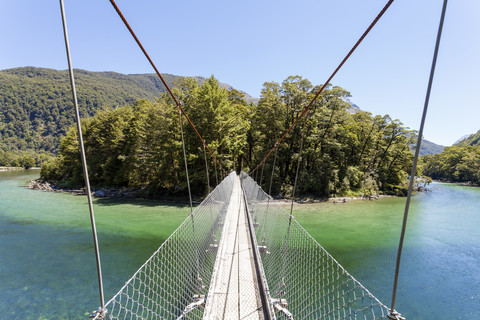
pixel 100 193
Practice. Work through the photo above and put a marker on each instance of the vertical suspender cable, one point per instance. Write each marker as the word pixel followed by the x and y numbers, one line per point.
pixel 84 163
pixel 185 160
pixel 415 160
pixel 216 176
pixel 293 195
pixel 261 175
pixel 206 166
pixel 273 170
pixel 298 163
pixel 268 200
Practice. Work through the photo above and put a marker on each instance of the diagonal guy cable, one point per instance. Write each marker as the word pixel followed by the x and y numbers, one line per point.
pixel 100 312
pixel 415 159
pixel 328 81
pixel 161 78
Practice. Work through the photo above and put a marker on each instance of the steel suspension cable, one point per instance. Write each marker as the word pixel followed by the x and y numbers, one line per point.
pixel 298 163
pixel 328 80
pixel 99 312
pixel 273 170
pixel 206 168
pixel 293 197
pixel 261 175
pixel 268 198
pixel 216 176
pixel 415 159
pixel 120 14
pixel 185 160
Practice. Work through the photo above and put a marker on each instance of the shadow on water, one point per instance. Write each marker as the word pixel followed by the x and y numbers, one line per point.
pixel 140 202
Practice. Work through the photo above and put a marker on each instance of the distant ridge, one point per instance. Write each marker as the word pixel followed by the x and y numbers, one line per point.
pixel 36 104
pixel 462 138
pixel 469 140
pixel 353 107
pixel 429 147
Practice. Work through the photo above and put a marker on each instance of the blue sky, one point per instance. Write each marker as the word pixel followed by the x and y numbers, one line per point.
pixel 245 43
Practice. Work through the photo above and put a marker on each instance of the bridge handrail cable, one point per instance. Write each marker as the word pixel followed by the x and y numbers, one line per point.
pixel 314 284
pixel 171 284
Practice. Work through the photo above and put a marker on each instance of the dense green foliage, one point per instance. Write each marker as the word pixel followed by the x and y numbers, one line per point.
pixel 139 146
pixel 36 107
pixel 343 152
pixel 472 140
pixel 459 163
pixel 26 159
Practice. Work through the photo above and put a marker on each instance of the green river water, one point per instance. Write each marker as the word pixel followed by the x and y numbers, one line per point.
pixel 47 266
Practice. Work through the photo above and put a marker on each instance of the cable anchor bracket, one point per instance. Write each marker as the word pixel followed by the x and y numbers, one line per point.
pixel 281 305
pixel 395 315
pixel 99 314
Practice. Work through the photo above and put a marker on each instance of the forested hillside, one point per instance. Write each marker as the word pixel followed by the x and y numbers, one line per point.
pixel 458 163
pixel 139 146
pixel 429 147
pixel 36 107
pixel 471 140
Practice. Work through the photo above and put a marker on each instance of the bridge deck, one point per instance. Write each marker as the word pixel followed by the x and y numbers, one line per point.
pixel 234 293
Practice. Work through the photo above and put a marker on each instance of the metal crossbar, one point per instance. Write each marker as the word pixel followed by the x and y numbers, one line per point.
pixel 174 281
pixel 304 280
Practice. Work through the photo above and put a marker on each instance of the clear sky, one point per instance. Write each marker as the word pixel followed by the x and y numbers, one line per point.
pixel 245 43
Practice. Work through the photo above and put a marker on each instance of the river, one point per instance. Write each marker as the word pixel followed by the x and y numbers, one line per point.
pixel 47 267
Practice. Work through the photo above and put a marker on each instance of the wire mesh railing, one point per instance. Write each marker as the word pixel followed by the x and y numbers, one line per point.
pixel 174 281
pixel 303 279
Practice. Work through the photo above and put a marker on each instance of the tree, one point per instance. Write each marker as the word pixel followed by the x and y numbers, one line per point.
pixel 28 162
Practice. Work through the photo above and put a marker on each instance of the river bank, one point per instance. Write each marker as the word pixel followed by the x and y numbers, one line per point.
pixel 40 184
pixel 11 168
pixel 460 183
pixel 112 193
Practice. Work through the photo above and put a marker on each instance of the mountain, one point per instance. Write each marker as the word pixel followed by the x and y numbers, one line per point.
pixel 462 138
pixel 36 105
pixel 469 140
pixel 429 147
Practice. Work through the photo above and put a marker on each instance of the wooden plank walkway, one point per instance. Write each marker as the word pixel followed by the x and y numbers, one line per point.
pixel 234 292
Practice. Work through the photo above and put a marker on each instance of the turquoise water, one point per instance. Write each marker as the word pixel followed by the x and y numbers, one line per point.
pixel 47 267
pixel 440 268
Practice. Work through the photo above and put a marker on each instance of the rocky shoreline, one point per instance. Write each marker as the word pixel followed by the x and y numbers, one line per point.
pixel 11 168
pixel 40 184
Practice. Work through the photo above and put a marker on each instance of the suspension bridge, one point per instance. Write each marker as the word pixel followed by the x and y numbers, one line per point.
pixel 239 254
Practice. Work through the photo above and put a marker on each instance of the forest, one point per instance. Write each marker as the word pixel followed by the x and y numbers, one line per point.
pixel 458 163
pixel 138 146
pixel 36 107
